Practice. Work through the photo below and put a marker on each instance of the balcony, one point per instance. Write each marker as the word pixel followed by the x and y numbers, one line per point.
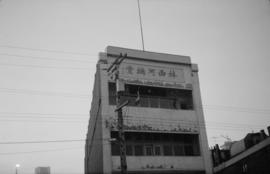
pixel 157 164
pixel 153 97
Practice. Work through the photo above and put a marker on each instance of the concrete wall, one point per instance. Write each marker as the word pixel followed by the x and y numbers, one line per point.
pixel 156 119
pixel 205 151
pixel 140 163
pixel 94 148
pixel 150 119
pixel 106 134
pixel 143 55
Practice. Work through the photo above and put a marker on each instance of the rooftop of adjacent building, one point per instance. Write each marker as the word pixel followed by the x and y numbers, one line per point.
pixel 238 150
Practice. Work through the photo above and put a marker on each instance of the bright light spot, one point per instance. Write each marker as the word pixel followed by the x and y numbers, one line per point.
pixel 18 165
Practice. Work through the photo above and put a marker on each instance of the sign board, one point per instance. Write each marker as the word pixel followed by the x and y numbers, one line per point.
pixel 152 75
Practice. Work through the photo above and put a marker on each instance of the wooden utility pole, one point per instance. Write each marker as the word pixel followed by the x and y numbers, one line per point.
pixel 114 71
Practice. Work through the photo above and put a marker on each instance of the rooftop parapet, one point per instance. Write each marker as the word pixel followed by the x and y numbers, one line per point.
pixel 146 55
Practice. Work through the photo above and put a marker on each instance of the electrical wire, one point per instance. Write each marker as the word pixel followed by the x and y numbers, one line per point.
pixel 153 120
pixel 39 151
pixel 47 93
pixel 45 50
pixel 38 142
pixel 47 58
pixel 42 66
pixel 42 117
pixel 127 117
pixel 38 113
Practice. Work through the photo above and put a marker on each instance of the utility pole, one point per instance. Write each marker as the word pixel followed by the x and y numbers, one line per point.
pixel 113 70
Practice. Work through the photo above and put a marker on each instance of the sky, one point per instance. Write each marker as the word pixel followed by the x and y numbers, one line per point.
pixel 49 50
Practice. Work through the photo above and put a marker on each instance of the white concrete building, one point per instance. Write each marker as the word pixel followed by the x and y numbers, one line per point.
pixel 165 132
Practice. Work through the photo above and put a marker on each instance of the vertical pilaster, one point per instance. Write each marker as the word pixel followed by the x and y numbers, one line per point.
pixel 205 152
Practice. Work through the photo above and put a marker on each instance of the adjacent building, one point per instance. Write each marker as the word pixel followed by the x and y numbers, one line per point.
pixel 164 122
pixel 42 170
pixel 248 156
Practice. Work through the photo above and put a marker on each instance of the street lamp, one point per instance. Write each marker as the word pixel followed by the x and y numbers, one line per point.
pixel 17 166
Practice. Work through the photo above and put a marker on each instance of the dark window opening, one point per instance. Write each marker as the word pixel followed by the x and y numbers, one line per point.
pixel 189 150
pixel 129 150
pixel 149 150
pixel 167 150
pixel 115 149
pixel 138 149
pixel 112 94
pixel 155 97
pixel 157 150
pixel 179 150
pixel 157 144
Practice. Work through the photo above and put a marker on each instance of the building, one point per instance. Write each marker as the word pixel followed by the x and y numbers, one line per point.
pixel 165 131
pixel 249 155
pixel 42 170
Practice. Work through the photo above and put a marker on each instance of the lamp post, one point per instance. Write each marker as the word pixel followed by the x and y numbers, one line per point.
pixel 17 166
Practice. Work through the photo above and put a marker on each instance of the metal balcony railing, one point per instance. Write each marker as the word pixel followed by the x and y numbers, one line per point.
pixel 154 102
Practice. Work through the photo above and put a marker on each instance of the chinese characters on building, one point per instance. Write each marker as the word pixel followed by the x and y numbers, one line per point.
pixel 153 75
pixel 151 72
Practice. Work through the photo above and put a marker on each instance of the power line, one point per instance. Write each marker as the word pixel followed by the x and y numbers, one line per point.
pixel 38 142
pixel 47 93
pixel 154 122
pixel 237 109
pixel 43 117
pixel 44 121
pixel 47 58
pixel 207 107
pixel 41 66
pixel 53 141
pixel 38 113
pixel 45 50
pixel 38 151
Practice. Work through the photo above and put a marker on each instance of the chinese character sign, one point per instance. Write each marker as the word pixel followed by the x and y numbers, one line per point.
pixel 152 73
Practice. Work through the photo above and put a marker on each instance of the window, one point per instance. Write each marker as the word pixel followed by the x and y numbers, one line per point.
pixel 157 144
pixel 157 150
pixel 189 150
pixel 178 150
pixel 112 94
pixel 138 137
pixel 129 151
pixel 167 150
pixel 115 149
pixel 154 102
pixel 154 97
pixel 138 149
pixel 144 102
pixel 148 150
pixel 165 103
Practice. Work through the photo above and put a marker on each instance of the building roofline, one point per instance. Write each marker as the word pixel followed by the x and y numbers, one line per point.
pixel 147 55
pixel 243 155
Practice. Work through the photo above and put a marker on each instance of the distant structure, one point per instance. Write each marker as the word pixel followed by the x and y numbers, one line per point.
pixel 163 122
pixel 248 155
pixel 42 170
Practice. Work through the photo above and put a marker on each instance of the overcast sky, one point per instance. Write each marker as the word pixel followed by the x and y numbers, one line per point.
pixel 48 51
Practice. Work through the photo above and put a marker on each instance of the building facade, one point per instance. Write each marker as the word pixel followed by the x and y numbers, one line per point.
pixel 164 122
pixel 249 155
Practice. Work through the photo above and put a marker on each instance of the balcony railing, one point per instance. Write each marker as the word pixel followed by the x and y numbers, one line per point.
pixel 154 102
